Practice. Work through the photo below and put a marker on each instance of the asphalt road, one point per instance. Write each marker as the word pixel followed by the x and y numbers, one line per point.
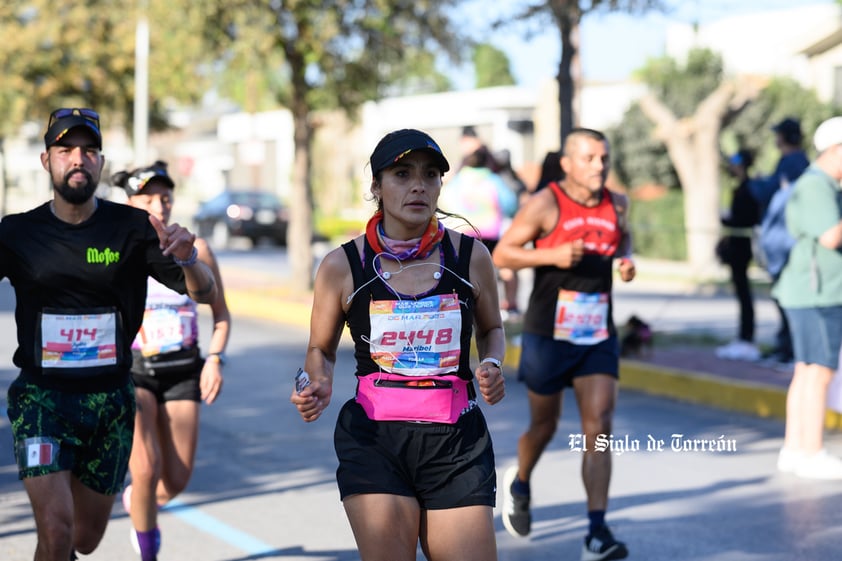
pixel 264 483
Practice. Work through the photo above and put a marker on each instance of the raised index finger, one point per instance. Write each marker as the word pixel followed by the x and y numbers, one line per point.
pixel 160 229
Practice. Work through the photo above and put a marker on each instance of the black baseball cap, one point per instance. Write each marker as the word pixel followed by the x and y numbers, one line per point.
pixel 65 119
pixel 139 178
pixel 790 129
pixel 399 143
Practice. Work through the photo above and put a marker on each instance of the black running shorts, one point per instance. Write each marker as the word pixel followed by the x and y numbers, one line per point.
pixel 171 387
pixel 443 466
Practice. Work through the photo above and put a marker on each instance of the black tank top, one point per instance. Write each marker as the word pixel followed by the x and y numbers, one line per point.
pixel 593 273
pixel 359 321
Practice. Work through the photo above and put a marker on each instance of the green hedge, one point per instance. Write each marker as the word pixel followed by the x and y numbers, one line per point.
pixel 657 227
pixel 335 228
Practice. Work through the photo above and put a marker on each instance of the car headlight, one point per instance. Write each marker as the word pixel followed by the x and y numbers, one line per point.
pixel 237 212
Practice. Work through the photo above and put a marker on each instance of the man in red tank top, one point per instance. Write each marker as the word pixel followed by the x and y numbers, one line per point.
pixel 578 228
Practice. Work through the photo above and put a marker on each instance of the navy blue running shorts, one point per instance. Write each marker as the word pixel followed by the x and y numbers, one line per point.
pixel 88 434
pixel 547 366
pixel 816 334
pixel 443 466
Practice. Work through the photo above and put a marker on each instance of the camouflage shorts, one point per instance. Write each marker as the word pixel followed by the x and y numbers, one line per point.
pixel 89 434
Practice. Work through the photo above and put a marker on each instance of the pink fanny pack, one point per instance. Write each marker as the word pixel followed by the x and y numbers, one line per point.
pixel 392 397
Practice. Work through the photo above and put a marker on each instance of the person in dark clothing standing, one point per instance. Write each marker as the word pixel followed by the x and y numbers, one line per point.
pixel 771 193
pixel 790 166
pixel 735 251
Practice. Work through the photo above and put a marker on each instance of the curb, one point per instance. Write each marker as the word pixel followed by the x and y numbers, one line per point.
pixel 761 400
pixel 271 305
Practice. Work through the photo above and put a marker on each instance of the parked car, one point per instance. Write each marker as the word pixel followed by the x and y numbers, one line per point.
pixel 251 214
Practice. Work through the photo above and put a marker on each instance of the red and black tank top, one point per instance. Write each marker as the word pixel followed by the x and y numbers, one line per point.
pixel 600 231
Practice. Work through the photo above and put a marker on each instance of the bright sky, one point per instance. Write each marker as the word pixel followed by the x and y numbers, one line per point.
pixel 614 45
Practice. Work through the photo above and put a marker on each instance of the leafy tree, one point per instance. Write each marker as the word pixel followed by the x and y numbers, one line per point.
pixel 329 55
pixel 680 99
pixel 638 158
pixel 566 15
pixel 418 76
pixel 83 54
pixel 492 67
pixel 781 98
pixel 689 105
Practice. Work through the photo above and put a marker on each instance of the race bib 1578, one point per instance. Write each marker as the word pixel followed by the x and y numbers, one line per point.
pixel 581 318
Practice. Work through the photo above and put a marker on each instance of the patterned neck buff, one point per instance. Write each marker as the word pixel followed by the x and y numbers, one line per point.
pixel 402 250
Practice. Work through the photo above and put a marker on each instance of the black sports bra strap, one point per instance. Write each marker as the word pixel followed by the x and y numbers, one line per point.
pixel 463 263
pixel 356 264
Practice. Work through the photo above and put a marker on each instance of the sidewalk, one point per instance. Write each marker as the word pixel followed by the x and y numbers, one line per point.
pixel 686 372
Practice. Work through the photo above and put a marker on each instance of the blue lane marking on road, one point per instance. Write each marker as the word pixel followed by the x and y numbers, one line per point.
pixel 211 525
pixel 218 529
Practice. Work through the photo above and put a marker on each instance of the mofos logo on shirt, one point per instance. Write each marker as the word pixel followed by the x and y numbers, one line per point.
pixel 103 256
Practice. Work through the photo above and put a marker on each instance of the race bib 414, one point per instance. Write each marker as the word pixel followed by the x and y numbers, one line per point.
pixel 78 340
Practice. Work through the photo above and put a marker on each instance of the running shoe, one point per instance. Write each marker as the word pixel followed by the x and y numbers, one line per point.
pixel 739 350
pixel 788 460
pixel 516 516
pixel 601 546
pixel 820 465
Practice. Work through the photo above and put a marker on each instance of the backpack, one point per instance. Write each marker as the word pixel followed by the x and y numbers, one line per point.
pixel 775 240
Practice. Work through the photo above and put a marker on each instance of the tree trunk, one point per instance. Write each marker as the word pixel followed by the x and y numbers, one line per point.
pixel 700 180
pixel 300 231
pixel 568 26
pixel 4 196
pixel 693 147
pixel 577 77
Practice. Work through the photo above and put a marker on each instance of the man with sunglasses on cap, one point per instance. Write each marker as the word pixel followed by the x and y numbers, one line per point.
pixel 79 266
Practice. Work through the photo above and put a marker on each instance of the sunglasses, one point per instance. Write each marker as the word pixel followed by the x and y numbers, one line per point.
pixel 89 114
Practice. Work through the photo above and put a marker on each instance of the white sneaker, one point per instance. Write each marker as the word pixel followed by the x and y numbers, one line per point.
pixel 820 465
pixel 788 460
pixel 725 350
pixel 739 350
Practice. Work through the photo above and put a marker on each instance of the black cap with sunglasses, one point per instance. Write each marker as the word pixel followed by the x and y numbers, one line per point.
pixel 134 181
pixel 67 118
